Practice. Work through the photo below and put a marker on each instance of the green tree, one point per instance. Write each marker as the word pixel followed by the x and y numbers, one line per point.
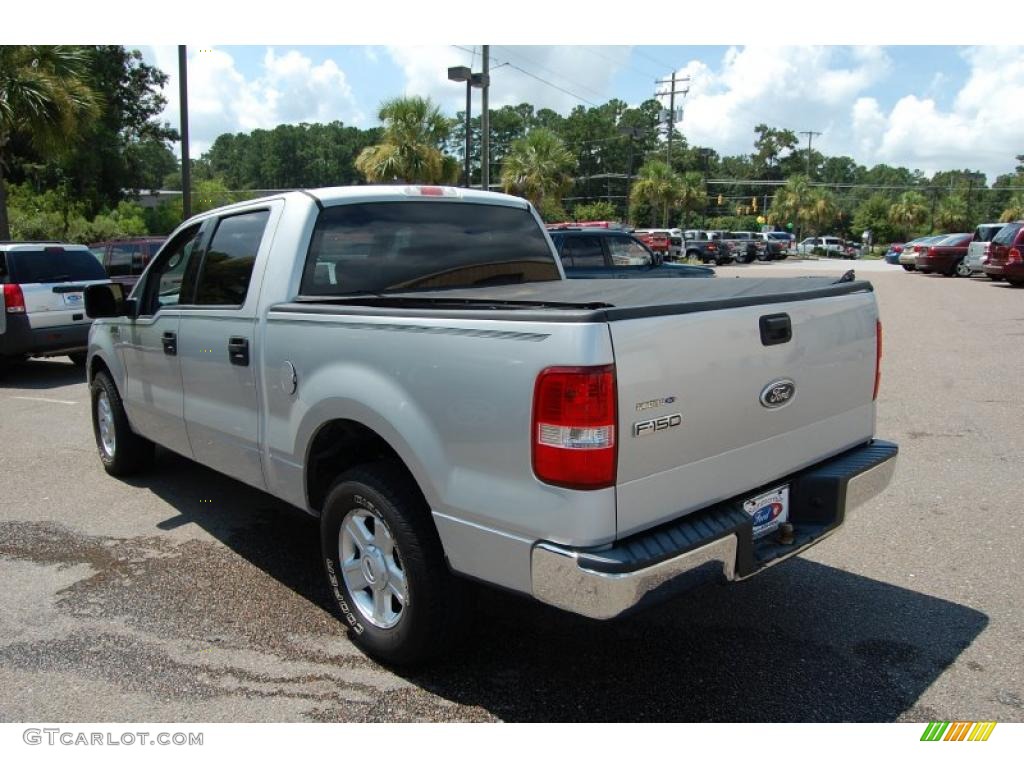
pixel 952 214
pixel 819 212
pixel 45 98
pixel 538 166
pixel 1015 210
pixel 873 214
pixel 602 210
pixel 658 186
pixel 790 201
pixel 410 150
pixel 770 144
pixel 693 196
pixel 909 212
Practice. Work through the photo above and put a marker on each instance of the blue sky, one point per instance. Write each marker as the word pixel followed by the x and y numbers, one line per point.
pixel 927 107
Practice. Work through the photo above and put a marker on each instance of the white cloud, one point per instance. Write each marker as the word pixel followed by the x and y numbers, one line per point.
pixel 586 71
pixel 788 87
pixel 289 88
pixel 982 130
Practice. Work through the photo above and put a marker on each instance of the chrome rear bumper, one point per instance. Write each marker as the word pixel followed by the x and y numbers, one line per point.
pixel 601 584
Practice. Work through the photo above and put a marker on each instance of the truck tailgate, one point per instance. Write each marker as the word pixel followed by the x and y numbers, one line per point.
pixel 710 369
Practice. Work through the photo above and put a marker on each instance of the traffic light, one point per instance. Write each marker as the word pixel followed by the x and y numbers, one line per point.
pixel 753 204
pixel 720 199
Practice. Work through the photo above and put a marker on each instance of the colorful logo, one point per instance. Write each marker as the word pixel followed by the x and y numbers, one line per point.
pixel 767 514
pixel 958 731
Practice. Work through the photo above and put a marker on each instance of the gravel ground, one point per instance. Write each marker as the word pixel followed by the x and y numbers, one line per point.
pixel 185 596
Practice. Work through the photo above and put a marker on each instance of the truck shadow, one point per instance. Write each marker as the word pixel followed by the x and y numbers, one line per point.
pixel 802 642
pixel 41 373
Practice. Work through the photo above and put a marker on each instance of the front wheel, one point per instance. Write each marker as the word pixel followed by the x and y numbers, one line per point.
pixel 963 270
pixel 909 267
pixel 122 451
pixel 386 568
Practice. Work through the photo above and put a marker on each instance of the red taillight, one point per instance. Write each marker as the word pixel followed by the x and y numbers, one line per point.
pixel 878 358
pixel 711 247
pixel 431 191
pixel 1013 257
pixel 573 427
pixel 14 299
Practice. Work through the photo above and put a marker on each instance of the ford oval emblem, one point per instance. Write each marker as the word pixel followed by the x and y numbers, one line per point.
pixel 778 393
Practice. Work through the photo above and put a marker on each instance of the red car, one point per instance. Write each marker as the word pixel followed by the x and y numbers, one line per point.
pixel 1006 255
pixel 658 242
pixel 946 256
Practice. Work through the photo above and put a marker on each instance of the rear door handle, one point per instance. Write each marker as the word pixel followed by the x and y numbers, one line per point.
pixel 238 350
pixel 170 340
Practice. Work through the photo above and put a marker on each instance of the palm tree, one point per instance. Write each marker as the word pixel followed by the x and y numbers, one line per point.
pixel 658 186
pixel 538 165
pixel 908 212
pixel 790 202
pixel 819 211
pixel 693 196
pixel 952 215
pixel 45 98
pixel 1015 210
pixel 414 132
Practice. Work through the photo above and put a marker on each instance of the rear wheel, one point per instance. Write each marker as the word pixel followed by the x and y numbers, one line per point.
pixel 909 267
pixel 122 451
pixel 962 269
pixel 1016 282
pixel 995 278
pixel 386 568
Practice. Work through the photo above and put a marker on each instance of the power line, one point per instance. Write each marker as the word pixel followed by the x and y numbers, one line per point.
pixel 535 77
pixel 647 56
pixel 547 69
pixel 596 52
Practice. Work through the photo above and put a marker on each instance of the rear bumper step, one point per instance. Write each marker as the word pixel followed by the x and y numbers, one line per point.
pixel 709 544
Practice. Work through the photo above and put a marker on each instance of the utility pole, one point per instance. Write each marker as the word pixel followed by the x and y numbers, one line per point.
pixel 672 93
pixel 485 124
pixel 186 164
pixel 809 135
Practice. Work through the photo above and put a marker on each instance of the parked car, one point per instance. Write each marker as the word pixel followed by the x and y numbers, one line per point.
pixel 778 244
pixel 657 240
pixel 892 255
pixel 408 365
pixel 746 246
pixel 604 253
pixel 675 241
pixel 832 246
pixel 1005 256
pixel 908 258
pixel 977 251
pixel 125 259
pixel 946 256
pixel 41 300
pixel 706 246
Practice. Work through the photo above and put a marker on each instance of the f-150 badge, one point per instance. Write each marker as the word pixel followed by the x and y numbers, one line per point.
pixel 650 426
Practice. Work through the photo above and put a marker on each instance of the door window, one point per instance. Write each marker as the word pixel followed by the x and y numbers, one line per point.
pixel 227 266
pixel 627 252
pixel 167 283
pixel 584 251
pixel 120 262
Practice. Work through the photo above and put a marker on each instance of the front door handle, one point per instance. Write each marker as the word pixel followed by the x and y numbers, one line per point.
pixel 170 340
pixel 238 350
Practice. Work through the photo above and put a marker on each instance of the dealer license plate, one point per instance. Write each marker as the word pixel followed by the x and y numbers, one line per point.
pixel 769 510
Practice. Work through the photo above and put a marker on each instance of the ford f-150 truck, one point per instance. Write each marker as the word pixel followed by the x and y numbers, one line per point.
pixel 409 365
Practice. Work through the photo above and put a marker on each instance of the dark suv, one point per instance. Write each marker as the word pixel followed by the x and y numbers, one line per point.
pixel 604 253
pixel 124 260
pixel 1006 255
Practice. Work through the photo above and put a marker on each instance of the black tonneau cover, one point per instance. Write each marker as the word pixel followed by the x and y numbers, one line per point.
pixel 582 300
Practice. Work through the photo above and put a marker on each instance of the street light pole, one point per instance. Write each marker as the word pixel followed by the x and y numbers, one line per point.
pixel 186 164
pixel 466 75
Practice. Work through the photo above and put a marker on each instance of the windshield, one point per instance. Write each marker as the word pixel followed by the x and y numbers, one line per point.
pixel 376 247
pixel 53 265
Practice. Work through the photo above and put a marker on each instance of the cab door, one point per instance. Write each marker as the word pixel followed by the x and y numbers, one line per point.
pixel 153 395
pixel 217 346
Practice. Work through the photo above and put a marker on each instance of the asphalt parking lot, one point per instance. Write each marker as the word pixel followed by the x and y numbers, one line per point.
pixel 185 596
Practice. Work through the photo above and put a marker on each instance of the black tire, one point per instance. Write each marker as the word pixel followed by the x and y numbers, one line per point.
pixel 909 267
pixel 431 618
pixel 995 278
pixel 131 452
pixel 763 257
pixel 1016 282
pixel 78 358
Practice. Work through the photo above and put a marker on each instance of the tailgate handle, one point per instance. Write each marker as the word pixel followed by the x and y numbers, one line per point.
pixel 775 329
pixel 68 288
pixel 238 350
pixel 170 340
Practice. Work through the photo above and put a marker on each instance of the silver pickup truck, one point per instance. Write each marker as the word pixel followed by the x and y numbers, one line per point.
pixel 409 365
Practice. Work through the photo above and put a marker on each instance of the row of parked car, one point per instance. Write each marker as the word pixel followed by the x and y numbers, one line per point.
pixel 993 249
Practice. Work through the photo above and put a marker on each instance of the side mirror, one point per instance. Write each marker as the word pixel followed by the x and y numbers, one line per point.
pixel 108 300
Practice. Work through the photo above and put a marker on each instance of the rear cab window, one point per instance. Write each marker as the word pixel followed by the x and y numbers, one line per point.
pixel 410 245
